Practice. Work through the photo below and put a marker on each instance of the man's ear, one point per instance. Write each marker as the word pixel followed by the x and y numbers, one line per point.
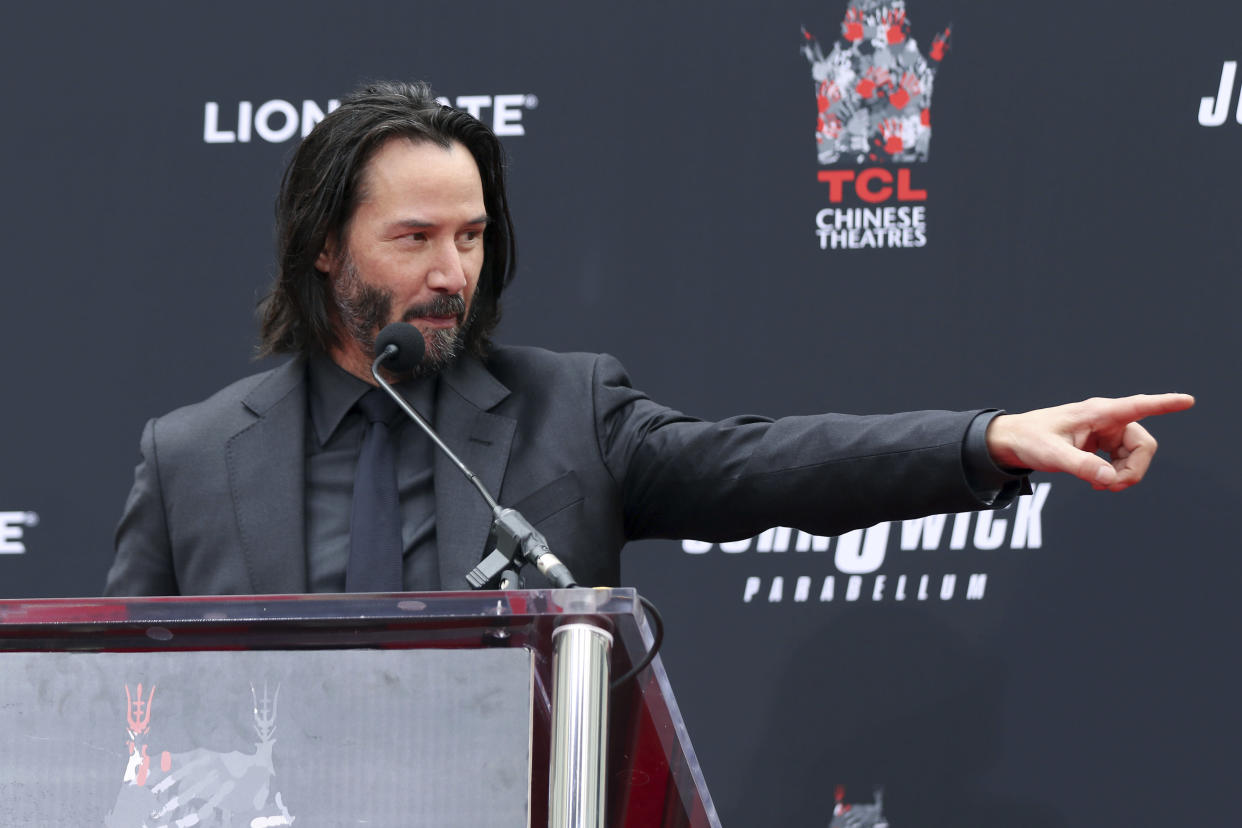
pixel 327 257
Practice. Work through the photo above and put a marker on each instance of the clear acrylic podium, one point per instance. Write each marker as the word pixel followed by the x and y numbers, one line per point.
pixel 258 710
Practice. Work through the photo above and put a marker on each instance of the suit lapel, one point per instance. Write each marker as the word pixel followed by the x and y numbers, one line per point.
pixel 482 441
pixel 266 462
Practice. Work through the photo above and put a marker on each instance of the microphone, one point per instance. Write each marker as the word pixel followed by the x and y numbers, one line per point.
pixel 404 346
pixel 401 345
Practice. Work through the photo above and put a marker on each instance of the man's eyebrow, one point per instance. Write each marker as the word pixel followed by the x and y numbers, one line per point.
pixel 417 224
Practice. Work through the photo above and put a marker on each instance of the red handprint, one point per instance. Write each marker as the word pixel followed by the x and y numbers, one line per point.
pixel 940 45
pixel 874 78
pixel 890 129
pixel 909 86
pixel 895 20
pixel 828 94
pixel 852 26
pixel 829 126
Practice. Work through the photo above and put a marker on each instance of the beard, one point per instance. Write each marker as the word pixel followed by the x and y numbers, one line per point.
pixel 364 309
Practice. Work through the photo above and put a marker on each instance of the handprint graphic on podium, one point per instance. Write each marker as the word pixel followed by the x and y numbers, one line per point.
pixel 207 788
pixel 874 89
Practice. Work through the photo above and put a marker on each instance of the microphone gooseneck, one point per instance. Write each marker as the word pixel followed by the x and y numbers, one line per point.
pixel 401 346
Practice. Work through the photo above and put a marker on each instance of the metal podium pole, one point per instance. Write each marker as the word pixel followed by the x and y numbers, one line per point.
pixel 579 726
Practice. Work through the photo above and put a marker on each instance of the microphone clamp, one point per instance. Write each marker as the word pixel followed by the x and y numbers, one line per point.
pixel 518 542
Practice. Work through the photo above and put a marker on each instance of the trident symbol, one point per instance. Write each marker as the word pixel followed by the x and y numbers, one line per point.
pixel 138 712
pixel 265 712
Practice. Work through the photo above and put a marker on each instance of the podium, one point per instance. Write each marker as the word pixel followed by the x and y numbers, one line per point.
pixel 401 709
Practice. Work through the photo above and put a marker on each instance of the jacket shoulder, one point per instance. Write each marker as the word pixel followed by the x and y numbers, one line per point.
pixel 512 364
pixel 232 407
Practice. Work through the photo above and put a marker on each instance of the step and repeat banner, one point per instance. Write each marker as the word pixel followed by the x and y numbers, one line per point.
pixel 770 208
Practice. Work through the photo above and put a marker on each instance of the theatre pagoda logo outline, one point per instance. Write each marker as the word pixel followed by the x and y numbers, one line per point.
pixel 873 91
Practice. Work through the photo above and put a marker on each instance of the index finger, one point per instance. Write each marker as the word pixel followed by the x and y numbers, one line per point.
pixel 1145 405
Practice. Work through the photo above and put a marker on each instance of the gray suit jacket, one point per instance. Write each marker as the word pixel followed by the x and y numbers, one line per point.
pixel 217 505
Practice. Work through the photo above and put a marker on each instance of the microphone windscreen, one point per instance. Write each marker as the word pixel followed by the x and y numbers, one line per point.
pixel 410 346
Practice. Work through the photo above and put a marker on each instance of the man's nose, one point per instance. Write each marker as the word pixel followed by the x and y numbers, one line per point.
pixel 447 274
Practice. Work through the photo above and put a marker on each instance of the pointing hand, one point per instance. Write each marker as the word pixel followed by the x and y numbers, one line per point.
pixel 1065 438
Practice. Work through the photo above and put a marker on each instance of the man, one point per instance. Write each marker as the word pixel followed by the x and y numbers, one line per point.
pixel 394 210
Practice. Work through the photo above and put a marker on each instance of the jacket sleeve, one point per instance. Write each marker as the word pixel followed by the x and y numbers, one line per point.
pixel 826 474
pixel 143 563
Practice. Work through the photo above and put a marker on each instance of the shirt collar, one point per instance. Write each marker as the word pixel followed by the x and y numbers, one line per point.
pixel 333 392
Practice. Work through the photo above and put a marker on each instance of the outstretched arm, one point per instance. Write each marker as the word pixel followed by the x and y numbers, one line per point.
pixel 1065 438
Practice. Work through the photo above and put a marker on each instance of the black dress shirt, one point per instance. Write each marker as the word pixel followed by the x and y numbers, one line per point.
pixel 332 446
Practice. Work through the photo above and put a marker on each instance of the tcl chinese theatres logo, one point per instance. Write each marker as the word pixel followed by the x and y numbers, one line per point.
pixel 873 93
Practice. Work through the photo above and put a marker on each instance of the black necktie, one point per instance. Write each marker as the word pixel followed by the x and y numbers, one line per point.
pixel 375 548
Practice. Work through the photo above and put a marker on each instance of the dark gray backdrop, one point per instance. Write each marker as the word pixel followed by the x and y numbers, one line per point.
pixel 1081 240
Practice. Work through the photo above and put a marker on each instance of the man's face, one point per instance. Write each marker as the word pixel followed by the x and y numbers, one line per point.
pixel 412 252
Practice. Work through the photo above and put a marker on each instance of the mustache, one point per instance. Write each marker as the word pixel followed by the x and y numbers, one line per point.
pixel 454 305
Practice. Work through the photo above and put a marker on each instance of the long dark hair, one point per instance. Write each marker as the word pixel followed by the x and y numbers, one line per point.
pixel 320 192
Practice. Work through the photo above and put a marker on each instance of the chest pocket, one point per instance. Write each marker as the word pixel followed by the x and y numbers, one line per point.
pixel 548 500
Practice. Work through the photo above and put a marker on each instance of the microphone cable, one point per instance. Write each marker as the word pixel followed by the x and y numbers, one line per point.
pixel 657 638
